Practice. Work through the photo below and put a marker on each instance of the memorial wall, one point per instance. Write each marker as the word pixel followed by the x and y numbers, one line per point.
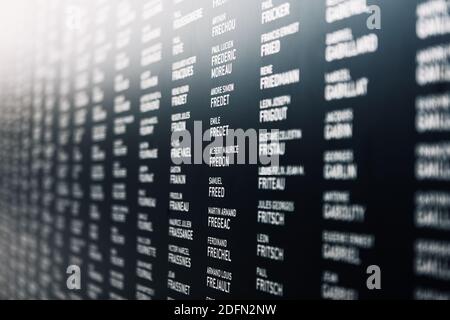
pixel 225 149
